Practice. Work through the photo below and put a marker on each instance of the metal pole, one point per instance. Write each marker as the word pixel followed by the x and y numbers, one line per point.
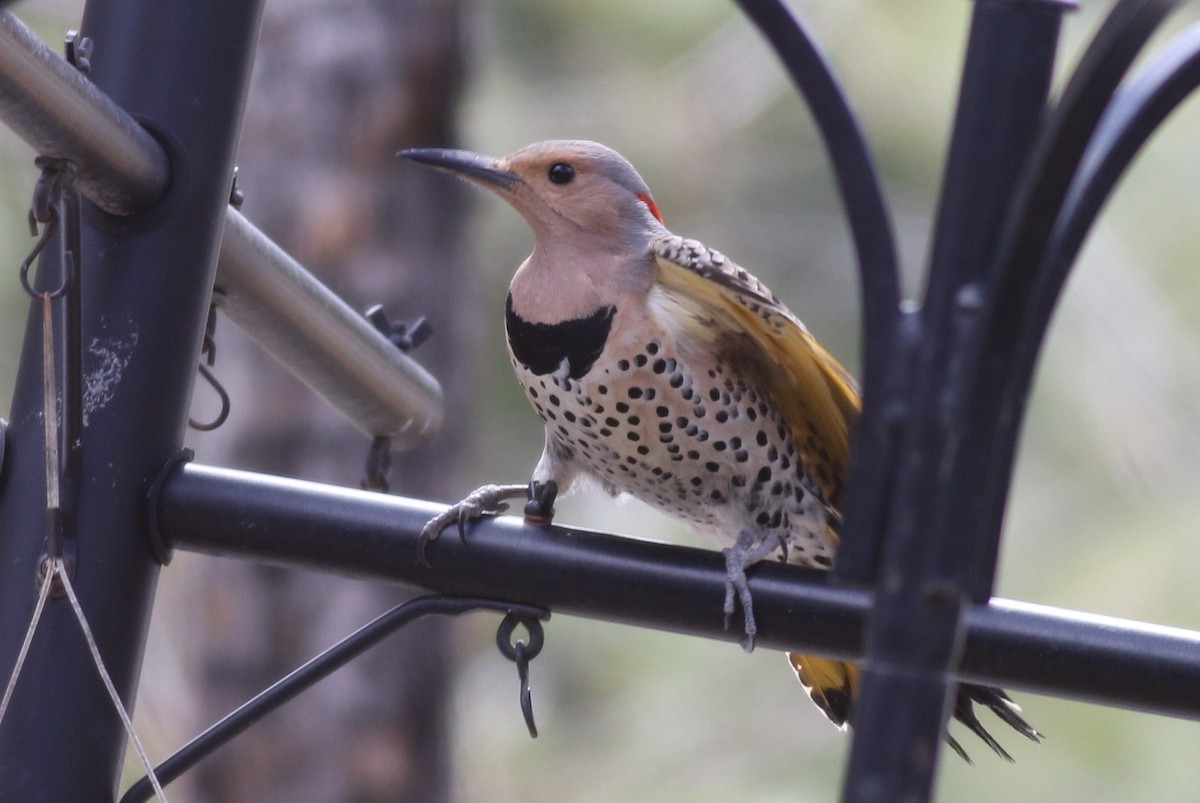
pixel 182 69
pixel 914 642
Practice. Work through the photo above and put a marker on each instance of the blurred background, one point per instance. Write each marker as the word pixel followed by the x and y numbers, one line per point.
pixel 1104 507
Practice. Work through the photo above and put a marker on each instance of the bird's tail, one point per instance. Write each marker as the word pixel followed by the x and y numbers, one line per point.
pixel 833 686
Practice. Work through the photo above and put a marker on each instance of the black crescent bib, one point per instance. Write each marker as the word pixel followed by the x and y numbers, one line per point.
pixel 542 347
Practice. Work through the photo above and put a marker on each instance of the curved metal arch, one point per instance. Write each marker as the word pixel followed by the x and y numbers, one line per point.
pixel 884 335
pixel 1067 136
pixel 866 210
pixel 1002 369
pixel 1136 112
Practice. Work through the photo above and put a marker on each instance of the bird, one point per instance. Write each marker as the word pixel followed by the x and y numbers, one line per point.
pixel 665 371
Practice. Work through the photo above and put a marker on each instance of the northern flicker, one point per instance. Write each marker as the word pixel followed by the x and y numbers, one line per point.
pixel 665 371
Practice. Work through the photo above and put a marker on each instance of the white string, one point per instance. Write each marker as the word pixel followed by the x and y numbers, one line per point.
pixel 43 593
pixel 60 569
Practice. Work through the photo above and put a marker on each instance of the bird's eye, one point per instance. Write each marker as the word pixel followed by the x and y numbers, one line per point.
pixel 561 173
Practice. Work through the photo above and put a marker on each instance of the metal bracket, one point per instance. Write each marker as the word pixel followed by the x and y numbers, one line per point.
pixel 403 336
pixel 163 551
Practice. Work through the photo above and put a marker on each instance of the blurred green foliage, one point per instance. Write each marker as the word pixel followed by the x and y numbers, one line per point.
pixel 1104 509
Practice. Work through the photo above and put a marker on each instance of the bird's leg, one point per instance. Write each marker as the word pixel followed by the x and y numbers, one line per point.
pixel 746 551
pixel 488 500
pixel 540 507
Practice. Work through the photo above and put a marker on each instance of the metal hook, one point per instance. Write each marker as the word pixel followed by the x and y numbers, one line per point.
pixel 208 344
pixel 68 262
pixel 208 349
pixel 225 404
pixel 236 197
pixel 522 653
pixel 379 460
pixel 53 187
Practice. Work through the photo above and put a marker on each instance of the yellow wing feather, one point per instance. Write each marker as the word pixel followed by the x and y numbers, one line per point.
pixel 817 396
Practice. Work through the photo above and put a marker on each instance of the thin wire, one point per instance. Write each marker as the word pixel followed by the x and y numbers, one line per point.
pixel 50 406
pixel 57 567
pixel 54 564
pixel 43 594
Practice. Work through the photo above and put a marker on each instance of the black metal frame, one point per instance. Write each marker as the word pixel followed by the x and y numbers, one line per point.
pixel 944 395
pixel 325 664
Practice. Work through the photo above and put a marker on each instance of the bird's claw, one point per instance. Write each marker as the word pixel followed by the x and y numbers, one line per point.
pixel 488 500
pixel 746 551
pixel 469 513
pixel 738 588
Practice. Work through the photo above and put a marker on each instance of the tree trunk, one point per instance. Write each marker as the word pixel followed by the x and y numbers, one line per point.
pixel 339 87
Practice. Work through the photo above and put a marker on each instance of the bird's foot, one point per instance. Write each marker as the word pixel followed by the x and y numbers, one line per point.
pixel 746 551
pixel 488 500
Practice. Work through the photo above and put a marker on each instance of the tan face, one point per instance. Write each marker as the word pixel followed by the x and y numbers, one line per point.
pixel 582 184
pixel 563 188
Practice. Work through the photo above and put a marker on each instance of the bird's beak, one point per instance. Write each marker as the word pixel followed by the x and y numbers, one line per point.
pixel 471 166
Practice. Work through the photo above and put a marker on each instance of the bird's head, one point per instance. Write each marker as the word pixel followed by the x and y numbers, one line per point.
pixel 568 190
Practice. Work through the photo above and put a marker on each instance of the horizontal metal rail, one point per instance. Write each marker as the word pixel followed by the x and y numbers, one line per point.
pixel 680 589
pixel 299 321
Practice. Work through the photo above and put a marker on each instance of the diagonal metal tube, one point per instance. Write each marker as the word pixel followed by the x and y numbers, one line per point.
pixel 123 169
pixel 319 338
pixel 58 111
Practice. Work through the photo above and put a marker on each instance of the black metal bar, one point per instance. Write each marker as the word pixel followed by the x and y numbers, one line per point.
pixel 1081 656
pixel 914 640
pixel 305 676
pixel 679 589
pixel 996 403
pixel 320 527
pixel 143 311
pixel 884 342
pixel 1001 102
pixel 994 128
pixel 1001 107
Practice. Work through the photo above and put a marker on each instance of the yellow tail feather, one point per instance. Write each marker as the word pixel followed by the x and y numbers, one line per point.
pixel 832 685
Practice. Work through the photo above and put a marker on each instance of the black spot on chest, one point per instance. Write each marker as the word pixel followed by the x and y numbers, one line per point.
pixel 541 347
